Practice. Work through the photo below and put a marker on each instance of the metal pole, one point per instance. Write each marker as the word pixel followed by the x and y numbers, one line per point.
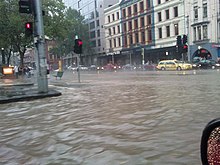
pixel 3 56
pixel 78 66
pixel 40 42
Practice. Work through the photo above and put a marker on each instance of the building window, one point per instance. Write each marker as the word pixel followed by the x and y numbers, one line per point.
pixel 114 32
pixel 176 29
pixel 159 17
pixel 158 2
pixel 142 6
pixel 194 36
pixel 205 15
pixel 149 20
pixel 125 28
pixel 92 25
pixel 199 32
pixel 119 42
pixel 135 9
pixel 131 39
pixel 143 37
pixel 125 41
pixel 142 21
pixel 124 13
pixel 110 43
pixel 136 38
pixel 117 15
pixel 148 4
pixel 93 44
pixel 92 34
pixel 168 31
pixel 160 32
pixel 129 25
pixel 113 17
pixel 129 11
pixel 109 32
pixel 167 14
pixel 114 42
pixel 135 23
pixel 175 10
pixel 99 42
pixel 149 35
pixel 97 23
pixel 119 29
pixel 98 33
pixel 205 32
pixel 195 12
pixel 109 19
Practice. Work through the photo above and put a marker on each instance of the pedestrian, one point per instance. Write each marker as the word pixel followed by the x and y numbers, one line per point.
pixel 16 71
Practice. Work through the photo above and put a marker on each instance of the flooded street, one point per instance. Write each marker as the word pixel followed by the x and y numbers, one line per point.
pixel 122 118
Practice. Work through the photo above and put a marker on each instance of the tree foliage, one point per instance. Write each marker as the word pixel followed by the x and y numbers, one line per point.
pixel 60 24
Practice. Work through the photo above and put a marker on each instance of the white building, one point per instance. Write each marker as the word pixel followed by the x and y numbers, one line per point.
pixel 168 18
pixel 203 22
pixel 113 31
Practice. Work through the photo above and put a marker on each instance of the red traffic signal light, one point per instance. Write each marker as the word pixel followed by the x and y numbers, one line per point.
pixel 185 48
pixel 28 29
pixel 28 25
pixel 78 46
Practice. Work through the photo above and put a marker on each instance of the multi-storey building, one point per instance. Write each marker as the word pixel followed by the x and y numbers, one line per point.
pixel 203 26
pixel 150 28
pixel 113 34
pixel 137 29
pixel 168 23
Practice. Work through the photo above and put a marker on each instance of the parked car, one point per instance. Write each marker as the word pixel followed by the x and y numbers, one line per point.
pixel 173 65
pixel 206 64
pixel 128 67
pixel 149 67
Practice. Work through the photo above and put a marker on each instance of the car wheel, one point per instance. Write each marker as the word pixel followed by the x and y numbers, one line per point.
pixel 163 68
pixel 179 68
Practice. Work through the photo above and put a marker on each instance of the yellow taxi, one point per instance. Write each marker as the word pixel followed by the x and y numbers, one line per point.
pixel 173 65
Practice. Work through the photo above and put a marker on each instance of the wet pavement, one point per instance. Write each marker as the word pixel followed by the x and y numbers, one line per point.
pixel 118 118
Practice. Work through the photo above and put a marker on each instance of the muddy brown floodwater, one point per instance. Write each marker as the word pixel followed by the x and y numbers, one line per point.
pixel 118 118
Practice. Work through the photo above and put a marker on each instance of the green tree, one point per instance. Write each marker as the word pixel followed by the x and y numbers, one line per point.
pixel 74 25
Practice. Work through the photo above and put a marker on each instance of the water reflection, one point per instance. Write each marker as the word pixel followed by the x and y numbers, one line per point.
pixel 113 118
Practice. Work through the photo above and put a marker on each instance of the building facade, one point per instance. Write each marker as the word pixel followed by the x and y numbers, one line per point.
pixel 113 36
pixel 203 27
pixel 150 28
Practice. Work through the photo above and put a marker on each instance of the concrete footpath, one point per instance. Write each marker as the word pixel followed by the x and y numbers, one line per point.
pixel 13 90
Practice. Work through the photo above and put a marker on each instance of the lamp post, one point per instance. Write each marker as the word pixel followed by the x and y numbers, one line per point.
pixel 3 56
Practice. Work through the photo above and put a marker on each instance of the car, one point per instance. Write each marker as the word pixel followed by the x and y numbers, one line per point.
pixel 128 67
pixel 173 65
pixel 100 68
pixel 206 64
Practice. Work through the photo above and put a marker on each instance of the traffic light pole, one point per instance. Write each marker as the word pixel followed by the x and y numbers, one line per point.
pixel 78 66
pixel 39 46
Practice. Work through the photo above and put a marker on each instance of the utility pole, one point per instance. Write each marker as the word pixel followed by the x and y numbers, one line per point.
pixel 39 44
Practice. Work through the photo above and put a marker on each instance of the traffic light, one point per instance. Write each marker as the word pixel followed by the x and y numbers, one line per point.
pixel 185 48
pixel 25 6
pixel 78 46
pixel 28 29
pixel 178 41
pixel 184 39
